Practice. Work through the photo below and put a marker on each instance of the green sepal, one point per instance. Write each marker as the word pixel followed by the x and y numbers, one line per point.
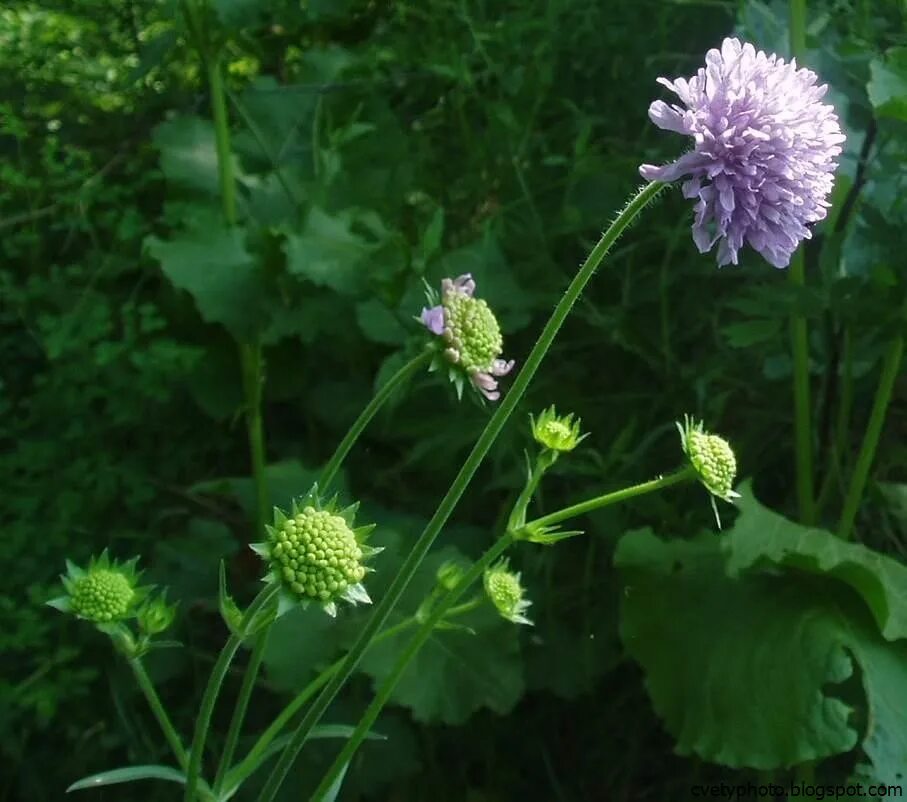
pixel 330 608
pixel 61 603
pixel 547 536
pixel 229 610
pixel 280 519
pixel 356 594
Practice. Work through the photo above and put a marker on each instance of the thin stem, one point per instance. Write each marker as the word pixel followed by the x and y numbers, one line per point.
pixel 798 331
pixel 215 680
pixel 385 391
pixel 890 368
pixel 403 660
pixel 242 704
pixel 222 140
pixel 834 476
pixel 253 384
pixel 160 713
pixel 683 475
pixel 636 204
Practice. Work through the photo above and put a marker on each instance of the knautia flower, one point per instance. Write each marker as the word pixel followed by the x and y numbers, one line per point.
pixel 103 593
pixel 764 151
pixel 503 587
pixel 316 555
pixel 469 337
pixel 555 432
pixel 711 457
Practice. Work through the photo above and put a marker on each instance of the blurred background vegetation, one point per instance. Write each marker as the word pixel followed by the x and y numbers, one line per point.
pixel 377 143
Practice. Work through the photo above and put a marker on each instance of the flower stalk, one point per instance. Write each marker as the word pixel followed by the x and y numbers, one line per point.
pixel 637 203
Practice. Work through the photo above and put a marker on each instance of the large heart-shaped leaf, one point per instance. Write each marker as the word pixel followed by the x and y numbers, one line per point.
pixel 747 670
pixel 761 537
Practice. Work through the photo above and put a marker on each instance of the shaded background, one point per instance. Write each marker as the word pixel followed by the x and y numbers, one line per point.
pixel 378 143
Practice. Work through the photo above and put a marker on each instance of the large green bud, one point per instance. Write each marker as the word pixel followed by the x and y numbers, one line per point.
pixel 316 554
pixel 103 593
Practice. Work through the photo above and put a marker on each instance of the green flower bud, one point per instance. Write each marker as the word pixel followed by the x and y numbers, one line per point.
pixel 103 593
pixel 156 616
pixel 449 574
pixel 102 596
pixel 316 555
pixel 503 587
pixel 555 432
pixel 711 457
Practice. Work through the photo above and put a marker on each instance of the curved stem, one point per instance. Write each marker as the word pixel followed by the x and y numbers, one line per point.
pixel 385 391
pixel 215 680
pixel 160 713
pixel 636 204
pixel 890 368
pixel 242 704
pixel 409 652
pixel 683 475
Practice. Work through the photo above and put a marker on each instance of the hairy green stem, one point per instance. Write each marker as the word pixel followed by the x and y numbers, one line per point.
pixel 798 332
pixel 636 204
pixel 890 368
pixel 242 704
pixel 403 660
pixel 160 713
pixel 683 475
pixel 385 391
pixel 215 680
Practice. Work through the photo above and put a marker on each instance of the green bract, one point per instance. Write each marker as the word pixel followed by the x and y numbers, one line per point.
pixel 712 458
pixel 555 432
pixel 316 555
pixel 506 593
pixel 103 593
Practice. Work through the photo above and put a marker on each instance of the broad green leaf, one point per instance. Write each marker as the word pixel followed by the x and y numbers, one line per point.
pixel 379 323
pixel 209 261
pixel 751 332
pixel 761 537
pixel 300 643
pixel 239 13
pixel 188 154
pixel 328 253
pixel 748 671
pixel 128 775
pixel 887 87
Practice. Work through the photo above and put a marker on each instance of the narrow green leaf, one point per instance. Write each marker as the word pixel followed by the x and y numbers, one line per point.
pixel 128 775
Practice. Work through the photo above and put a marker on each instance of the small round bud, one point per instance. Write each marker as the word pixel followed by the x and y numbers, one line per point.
pixel 155 616
pixel 503 587
pixel 102 595
pixel 449 574
pixel 555 432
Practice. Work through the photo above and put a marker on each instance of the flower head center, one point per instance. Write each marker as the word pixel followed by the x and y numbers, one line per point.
pixel 102 595
pixel 473 331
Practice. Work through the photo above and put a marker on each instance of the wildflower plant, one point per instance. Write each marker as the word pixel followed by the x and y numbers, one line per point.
pixel 761 168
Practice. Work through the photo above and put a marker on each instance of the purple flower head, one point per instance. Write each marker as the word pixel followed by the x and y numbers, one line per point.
pixel 469 341
pixel 763 155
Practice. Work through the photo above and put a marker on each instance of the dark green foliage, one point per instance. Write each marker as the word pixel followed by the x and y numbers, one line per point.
pixel 377 144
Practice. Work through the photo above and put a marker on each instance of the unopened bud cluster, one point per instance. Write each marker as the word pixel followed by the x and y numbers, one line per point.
pixel 103 595
pixel 711 457
pixel 503 588
pixel 316 554
pixel 559 433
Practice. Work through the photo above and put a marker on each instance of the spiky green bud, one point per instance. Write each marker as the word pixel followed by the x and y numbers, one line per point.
pixel 316 555
pixel 555 432
pixel 711 457
pixel 506 592
pixel 155 615
pixel 103 593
